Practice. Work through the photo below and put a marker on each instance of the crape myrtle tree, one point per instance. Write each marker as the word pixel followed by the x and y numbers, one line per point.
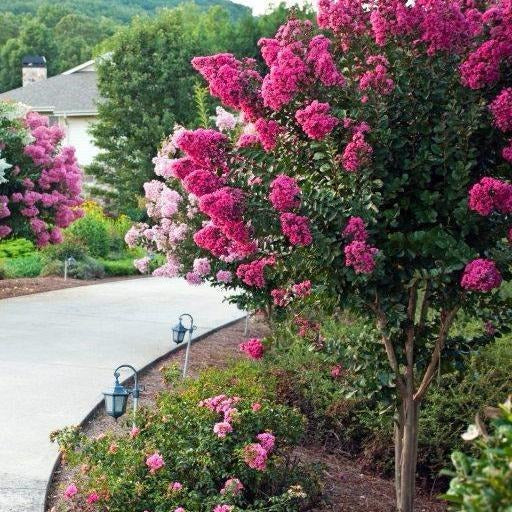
pixel 40 181
pixel 372 162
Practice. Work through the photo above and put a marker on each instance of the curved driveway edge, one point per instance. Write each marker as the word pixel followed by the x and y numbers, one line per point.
pixel 58 351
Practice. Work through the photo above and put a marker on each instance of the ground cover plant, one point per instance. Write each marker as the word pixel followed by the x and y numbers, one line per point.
pixel 216 443
pixel 372 167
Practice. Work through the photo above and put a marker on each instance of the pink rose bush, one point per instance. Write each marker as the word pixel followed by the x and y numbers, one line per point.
pixel 40 181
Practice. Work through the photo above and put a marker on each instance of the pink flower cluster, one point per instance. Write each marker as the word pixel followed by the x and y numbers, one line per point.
pixel 296 228
pixel 222 404
pixel 162 202
pixel 268 132
pixel 315 120
pixel 253 348
pixel 155 462
pixel 236 83
pixel 481 275
pixel 294 62
pixel 225 121
pixel 357 152
pixel 491 194
pixel 355 229
pixel 252 274
pixel 283 296
pixel 306 327
pixel 232 486
pixel 360 256
pixel 501 109
pixel 284 193
pixel 206 148
pixel 377 78
pixel 256 454
pixel 223 508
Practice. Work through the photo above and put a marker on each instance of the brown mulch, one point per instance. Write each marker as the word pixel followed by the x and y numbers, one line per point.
pixel 347 487
pixel 30 285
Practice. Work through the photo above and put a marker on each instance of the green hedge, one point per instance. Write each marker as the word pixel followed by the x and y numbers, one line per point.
pixel 122 267
pixel 24 266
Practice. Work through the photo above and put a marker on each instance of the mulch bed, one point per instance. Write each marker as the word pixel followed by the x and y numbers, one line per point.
pixel 347 487
pixel 30 285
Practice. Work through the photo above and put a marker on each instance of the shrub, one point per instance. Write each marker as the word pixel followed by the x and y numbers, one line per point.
pixel 53 268
pixel 119 267
pixel 71 247
pixel 87 269
pixel 185 440
pixel 24 266
pixel 15 248
pixel 92 231
pixel 484 481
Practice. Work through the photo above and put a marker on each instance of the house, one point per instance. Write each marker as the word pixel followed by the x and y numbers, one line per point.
pixel 68 99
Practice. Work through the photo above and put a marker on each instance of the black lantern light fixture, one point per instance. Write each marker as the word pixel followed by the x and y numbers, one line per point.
pixel 116 398
pixel 178 336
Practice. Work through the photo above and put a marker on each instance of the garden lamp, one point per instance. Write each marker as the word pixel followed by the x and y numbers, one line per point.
pixel 116 399
pixel 68 262
pixel 178 335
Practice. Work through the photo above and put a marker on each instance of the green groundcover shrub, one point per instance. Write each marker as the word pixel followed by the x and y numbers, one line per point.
pixel 22 266
pixel 15 248
pixel 483 482
pixel 215 443
pixel 122 267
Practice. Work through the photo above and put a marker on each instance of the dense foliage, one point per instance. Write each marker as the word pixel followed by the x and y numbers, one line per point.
pixel 373 164
pixel 65 36
pixel 40 182
pixel 147 85
pixel 484 481
pixel 120 10
pixel 219 443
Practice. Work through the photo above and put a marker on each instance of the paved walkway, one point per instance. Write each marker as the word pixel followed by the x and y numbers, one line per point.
pixel 57 353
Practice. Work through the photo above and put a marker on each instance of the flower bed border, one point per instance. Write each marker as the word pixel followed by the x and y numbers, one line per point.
pixel 98 406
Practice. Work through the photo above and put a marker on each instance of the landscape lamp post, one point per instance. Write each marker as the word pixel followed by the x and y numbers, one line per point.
pixel 178 335
pixel 116 398
pixel 67 263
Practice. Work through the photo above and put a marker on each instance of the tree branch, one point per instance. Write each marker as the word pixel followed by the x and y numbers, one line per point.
pixel 446 322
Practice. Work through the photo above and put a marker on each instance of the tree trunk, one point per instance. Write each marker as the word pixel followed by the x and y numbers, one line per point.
pixel 406 443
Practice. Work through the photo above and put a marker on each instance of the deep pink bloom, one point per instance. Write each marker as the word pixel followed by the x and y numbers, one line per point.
pixel 70 491
pixel 268 132
pixel 336 371
pixel 222 428
pixel 182 167
pixel 491 194
pixel 315 120
pixel 302 289
pixel 356 153
pixel 280 297
pixel 253 347
pixel 206 148
pixel 267 440
pixel 252 274
pixel 296 229
pixel 360 256
pixel 355 229
pixel 224 205
pixel 481 275
pixel 232 486
pixel 256 406
pixel 376 78
pixel 134 432
pixel 93 498
pixel 155 462
pixel 501 109
pixel 284 193
pixel 201 182
pixel 320 58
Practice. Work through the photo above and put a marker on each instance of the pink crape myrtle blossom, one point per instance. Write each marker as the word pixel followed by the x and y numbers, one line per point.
pixel 336 371
pixel 253 348
pixel 252 274
pixel 179 509
pixel 134 432
pixel 224 276
pixel 296 228
pixel 155 462
pixel 491 194
pixel 142 264
pixel 501 110
pixel 267 440
pixel 280 297
pixel 302 289
pixel 255 456
pixel 268 133
pixel 181 167
pixel 225 121
pixel 315 120
pixel 92 498
pixel 193 278
pixel 355 229
pixel 202 266
pixel 222 428
pixel 256 406
pixel 320 58
pixel 206 148
pixel 223 508
pixel 356 153
pixel 232 486
pixel 71 490
pixel 360 256
pixel 201 182
pixel 377 78
pixel 169 269
pixel 175 486
pixel 481 275
pixel 284 193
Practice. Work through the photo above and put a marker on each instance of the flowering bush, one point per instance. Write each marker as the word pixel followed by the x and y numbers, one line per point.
pixel 391 129
pixel 40 182
pixel 199 449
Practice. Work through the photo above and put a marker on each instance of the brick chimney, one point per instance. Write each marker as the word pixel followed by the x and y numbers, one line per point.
pixel 33 69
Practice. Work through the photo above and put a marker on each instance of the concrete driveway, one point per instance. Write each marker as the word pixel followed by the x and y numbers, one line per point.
pixel 58 351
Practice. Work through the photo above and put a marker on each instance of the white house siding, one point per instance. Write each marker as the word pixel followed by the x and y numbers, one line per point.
pixel 77 135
